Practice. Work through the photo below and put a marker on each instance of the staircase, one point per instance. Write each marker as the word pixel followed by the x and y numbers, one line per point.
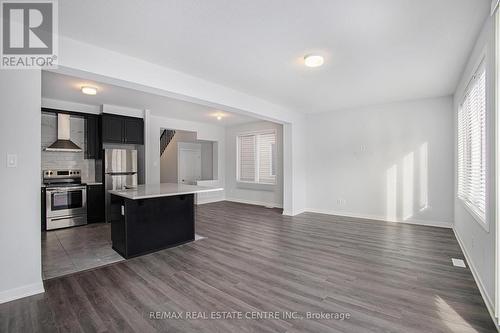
pixel 165 138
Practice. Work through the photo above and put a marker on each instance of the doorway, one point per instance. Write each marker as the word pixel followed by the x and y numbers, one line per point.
pixel 189 159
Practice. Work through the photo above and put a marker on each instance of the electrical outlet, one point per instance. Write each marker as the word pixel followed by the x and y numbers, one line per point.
pixel 11 160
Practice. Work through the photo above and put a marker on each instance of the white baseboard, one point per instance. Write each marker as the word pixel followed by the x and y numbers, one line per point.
pixel 487 300
pixel 294 213
pixel 440 224
pixel 209 200
pixel 20 292
pixel 258 203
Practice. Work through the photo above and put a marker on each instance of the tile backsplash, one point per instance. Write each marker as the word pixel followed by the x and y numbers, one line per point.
pixel 65 160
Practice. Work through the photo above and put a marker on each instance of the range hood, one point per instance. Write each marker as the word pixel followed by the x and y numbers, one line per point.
pixel 63 142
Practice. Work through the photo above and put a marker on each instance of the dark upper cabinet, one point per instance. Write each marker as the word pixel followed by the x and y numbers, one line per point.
pixel 119 129
pixel 112 128
pixel 134 131
pixel 93 138
pixel 95 203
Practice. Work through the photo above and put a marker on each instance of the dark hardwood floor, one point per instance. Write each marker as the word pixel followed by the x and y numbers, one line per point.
pixel 388 277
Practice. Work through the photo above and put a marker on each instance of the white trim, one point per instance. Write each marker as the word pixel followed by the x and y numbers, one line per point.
pixel 494 6
pixel 293 213
pixel 122 110
pixel 20 292
pixel 52 103
pixel 477 279
pixel 208 200
pixel 482 221
pixel 257 203
pixel 496 156
pixel 439 224
pixel 147 147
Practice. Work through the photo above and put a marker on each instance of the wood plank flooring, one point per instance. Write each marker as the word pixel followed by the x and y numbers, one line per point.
pixel 388 277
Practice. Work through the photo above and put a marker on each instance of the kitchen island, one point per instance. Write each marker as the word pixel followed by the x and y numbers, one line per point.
pixel 152 217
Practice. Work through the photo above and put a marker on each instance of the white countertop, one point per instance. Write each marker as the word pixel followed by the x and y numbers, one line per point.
pixel 162 190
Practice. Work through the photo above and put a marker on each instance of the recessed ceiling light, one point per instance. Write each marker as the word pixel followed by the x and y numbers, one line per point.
pixel 313 60
pixel 89 90
pixel 219 117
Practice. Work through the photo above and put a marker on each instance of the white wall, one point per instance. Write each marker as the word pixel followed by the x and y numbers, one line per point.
pixel 477 243
pixel 207 160
pixel 20 133
pixel 388 162
pixel 267 195
pixel 203 132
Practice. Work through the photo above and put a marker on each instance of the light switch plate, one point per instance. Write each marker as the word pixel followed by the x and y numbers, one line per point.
pixel 11 160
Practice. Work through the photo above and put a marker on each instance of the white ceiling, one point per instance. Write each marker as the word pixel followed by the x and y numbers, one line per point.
pixel 68 88
pixel 375 51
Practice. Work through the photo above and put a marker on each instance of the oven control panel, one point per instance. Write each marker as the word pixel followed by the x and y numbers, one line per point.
pixel 61 173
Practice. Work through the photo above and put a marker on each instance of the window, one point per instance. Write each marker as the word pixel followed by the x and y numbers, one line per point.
pixel 472 146
pixel 256 154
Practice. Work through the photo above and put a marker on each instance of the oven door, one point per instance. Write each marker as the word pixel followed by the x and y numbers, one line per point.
pixel 66 201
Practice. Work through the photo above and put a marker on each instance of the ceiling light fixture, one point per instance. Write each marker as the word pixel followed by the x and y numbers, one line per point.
pixel 218 115
pixel 313 60
pixel 89 90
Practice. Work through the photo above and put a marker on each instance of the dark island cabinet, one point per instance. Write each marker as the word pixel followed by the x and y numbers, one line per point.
pixel 95 203
pixel 120 129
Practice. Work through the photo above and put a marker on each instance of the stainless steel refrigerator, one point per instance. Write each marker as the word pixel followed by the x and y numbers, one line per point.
pixel 120 172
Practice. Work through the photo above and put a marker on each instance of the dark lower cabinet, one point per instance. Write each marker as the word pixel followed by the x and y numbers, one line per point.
pixel 120 129
pixel 95 203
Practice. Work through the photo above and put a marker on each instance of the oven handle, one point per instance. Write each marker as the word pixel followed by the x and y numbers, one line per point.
pixel 65 189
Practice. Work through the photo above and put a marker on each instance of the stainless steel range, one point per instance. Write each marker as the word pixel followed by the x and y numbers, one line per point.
pixel 66 198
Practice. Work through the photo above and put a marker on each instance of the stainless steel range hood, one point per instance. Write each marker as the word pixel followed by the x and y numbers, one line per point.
pixel 63 142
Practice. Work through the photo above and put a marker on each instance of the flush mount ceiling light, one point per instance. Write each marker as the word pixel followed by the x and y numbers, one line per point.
pixel 313 60
pixel 218 115
pixel 89 90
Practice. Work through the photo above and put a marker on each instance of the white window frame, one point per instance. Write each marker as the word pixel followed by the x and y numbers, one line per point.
pixel 482 221
pixel 257 156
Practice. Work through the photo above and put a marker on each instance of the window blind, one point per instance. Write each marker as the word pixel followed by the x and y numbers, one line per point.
pixel 247 158
pixel 265 149
pixel 472 145
pixel 257 158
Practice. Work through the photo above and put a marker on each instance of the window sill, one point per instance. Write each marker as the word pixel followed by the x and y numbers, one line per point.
pixel 255 186
pixel 482 222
